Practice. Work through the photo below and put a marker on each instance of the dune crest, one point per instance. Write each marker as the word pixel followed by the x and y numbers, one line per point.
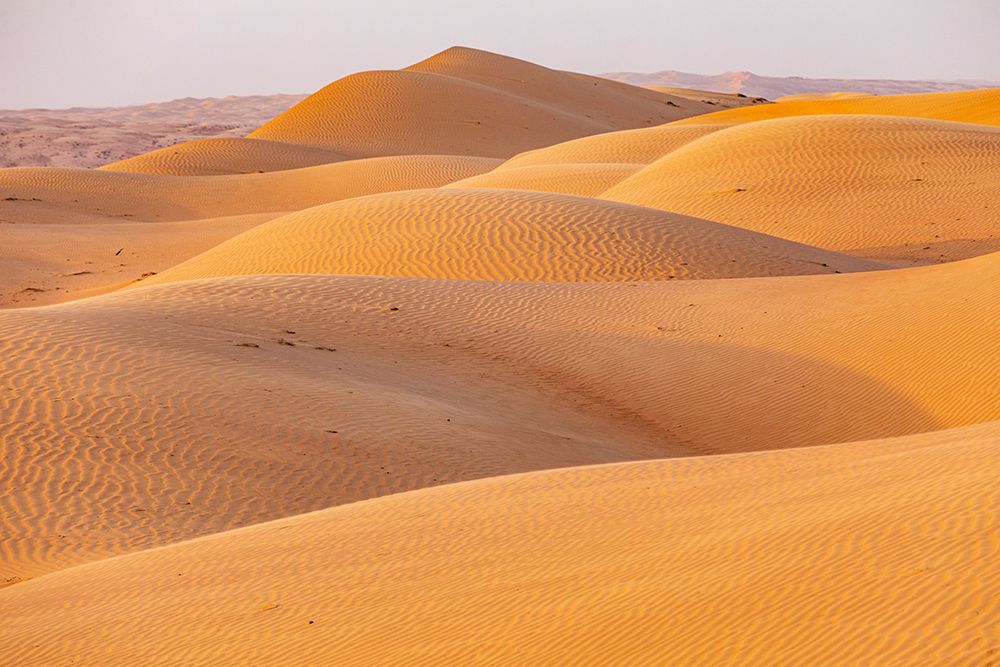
pixel 904 189
pixel 467 102
pixel 483 234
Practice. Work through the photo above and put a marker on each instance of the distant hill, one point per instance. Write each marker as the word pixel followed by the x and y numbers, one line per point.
pixel 774 87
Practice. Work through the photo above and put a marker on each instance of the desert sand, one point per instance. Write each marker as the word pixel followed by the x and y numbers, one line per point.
pixel 554 369
pixel 775 87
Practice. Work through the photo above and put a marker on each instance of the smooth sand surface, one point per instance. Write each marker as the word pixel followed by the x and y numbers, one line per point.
pixel 891 188
pixel 870 553
pixel 484 234
pixel 400 399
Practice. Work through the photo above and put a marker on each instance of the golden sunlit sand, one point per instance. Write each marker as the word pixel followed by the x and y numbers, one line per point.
pixel 482 362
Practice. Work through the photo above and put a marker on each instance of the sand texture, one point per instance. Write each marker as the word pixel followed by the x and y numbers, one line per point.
pixel 481 362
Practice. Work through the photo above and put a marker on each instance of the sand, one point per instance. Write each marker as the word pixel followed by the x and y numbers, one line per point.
pixel 929 196
pixel 488 234
pixel 967 106
pixel 73 232
pixel 777 87
pixel 833 555
pixel 467 102
pixel 479 362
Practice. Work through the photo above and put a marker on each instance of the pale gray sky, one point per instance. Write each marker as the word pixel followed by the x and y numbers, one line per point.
pixel 57 53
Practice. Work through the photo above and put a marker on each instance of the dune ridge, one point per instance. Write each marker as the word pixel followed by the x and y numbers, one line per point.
pixel 217 156
pixel 486 234
pixel 848 183
pixel 980 106
pixel 467 102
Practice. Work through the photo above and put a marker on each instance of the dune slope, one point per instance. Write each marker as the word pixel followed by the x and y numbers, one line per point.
pixel 874 552
pixel 213 157
pixel 49 195
pixel 467 102
pixel 483 234
pixel 426 381
pixel 889 188
pixel 965 106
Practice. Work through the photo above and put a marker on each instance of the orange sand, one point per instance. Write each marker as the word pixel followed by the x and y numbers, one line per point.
pixel 658 429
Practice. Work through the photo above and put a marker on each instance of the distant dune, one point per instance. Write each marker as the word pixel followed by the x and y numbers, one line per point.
pixel 479 361
pixel 464 101
pixel 773 87
pixel 90 137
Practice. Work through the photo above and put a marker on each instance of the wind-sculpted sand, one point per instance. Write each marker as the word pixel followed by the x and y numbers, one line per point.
pixel 830 555
pixel 889 188
pixel 966 106
pixel 213 157
pixel 483 234
pixel 464 101
pixel 480 362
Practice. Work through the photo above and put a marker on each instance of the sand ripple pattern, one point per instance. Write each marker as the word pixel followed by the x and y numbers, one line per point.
pixel 466 102
pixel 37 194
pixel 119 410
pixel 891 188
pixel 867 553
pixel 484 234
pixel 216 156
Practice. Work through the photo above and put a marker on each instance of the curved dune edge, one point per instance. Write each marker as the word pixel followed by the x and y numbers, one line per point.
pixel 42 195
pixel 486 234
pixel 964 106
pixel 846 183
pixel 683 560
pixel 464 101
pixel 372 385
pixel 636 146
pixel 584 180
pixel 217 156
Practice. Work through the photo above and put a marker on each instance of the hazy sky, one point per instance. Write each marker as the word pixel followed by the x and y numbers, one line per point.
pixel 56 53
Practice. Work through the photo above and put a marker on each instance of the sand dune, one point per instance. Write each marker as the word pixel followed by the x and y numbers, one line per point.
pixel 483 234
pixel 38 195
pixel 967 106
pixel 721 100
pixel 890 188
pixel 586 180
pixel 640 146
pixel 467 102
pixel 875 552
pixel 212 157
pixel 144 409
pixel 613 356
pixel 774 87
pixel 65 233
